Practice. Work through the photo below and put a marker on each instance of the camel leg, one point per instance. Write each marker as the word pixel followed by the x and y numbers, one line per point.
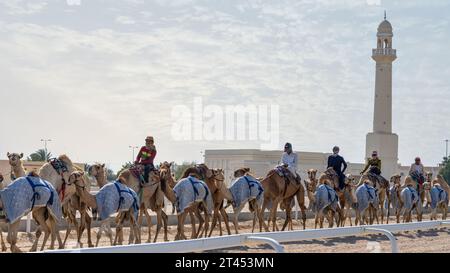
pixel 142 212
pixel 158 223
pixel 207 220
pixel 273 214
pixel 89 225
pixel 200 220
pixel 99 233
pixel 288 216
pixel 136 229
pixel 12 236
pixel 183 217
pixel 2 241
pixel 235 218
pixel 69 229
pixel 81 228
pixel 119 229
pixel 301 203
pixel 214 222
pixel 109 231
pixel 193 231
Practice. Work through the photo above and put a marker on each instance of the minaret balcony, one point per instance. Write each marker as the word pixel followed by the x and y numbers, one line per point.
pixel 384 52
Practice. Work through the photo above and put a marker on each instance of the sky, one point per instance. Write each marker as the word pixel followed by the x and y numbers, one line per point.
pixel 98 76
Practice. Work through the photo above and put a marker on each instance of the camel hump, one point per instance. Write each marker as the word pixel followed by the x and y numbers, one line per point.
pixel 64 158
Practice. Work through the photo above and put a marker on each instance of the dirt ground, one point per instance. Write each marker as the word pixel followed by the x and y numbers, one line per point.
pixel 420 241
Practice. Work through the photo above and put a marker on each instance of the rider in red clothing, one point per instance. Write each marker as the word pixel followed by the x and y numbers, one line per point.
pixel 146 155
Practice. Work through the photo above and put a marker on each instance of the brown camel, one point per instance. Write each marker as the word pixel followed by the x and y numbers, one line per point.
pixel 17 169
pixel 442 199
pixel 207 175
pixel 46 223
pixel 394 199
pixel 70 208
pixel 277 190
pixel 195 208
pixel 382 189
pixel 253 203
pixel 77 178
pixel 320 212
pixel 349 199
pixel 151 197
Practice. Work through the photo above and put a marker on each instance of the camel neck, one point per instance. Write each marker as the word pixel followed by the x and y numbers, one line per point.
pixel 225 191
pixel 168 191
pixel 101 180
pixel 87 197
pixel 18 170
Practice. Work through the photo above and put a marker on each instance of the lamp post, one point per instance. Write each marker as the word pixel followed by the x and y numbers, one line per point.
pixel 45 147
pixel 446 148
pixel 133 147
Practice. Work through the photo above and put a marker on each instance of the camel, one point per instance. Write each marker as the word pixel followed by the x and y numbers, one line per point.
pixel 437 194
pixel 207 175
pixel 98 171
pixel 429 179
pixel 151 197
pixel 419 188
pixel 438 198
pixel 381 189
pixel 37 196
pixel 2 186
pixel 189 195
pixel 59 178
pixel 245 189
pixel 410 200
pixel 367 204
pixel 111 198
pixel 394 199
pixel 74 204
pixel 17 169
pixel 350 199
pixel 324 202
pixel 276 190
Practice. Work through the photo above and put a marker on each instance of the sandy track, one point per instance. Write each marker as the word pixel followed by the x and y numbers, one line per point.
pixel 421 241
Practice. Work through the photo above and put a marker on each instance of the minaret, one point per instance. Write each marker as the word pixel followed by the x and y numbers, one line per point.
pixel 382 139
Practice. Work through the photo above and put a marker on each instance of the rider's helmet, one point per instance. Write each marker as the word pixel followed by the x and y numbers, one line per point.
pixel 149 138
pixel 288 146
pixel 374 153
pixel 417 159
pixel 335 149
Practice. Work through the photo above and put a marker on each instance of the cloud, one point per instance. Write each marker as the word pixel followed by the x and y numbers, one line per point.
pixel 104 83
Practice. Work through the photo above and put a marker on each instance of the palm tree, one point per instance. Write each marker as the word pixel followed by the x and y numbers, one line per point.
pixel 39 155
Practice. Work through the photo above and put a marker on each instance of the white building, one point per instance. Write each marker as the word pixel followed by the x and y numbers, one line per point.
pixel 381 139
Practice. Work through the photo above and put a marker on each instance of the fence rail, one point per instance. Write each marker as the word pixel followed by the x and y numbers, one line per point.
pixel 272 238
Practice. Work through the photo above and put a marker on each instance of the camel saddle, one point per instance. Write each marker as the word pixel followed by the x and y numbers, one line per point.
pixel 59 166
pixel 287 175
pixel 137 171
pixel 378 179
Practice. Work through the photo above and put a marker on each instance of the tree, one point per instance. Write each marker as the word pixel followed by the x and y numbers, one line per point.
pixel 39 155
pixel 445 171
pixel 127 165
pixel 110 175
pixel 179 169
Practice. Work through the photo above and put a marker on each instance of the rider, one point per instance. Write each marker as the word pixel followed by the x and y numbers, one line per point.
pixel 290 160
pixel 336 162
pixel 146 155
pixel 374 166
pixel 417 172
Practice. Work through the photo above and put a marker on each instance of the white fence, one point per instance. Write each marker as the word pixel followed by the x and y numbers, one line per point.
pixel 272 238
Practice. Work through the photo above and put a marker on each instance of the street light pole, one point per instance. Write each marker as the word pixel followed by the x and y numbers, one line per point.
pixel 45 147
pixel 133 147
pixel 446 148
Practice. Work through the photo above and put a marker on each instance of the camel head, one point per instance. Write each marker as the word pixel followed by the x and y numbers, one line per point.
pixel 218 175
pixel 350 180
pixel 396 179
pixel 166 176
pixel 368 182
pixel 14 158
pixel 311 185
pixel 409 182
pixel 312 173
pixel 165 165
pixel 241 172
pixel 97 170
pixel 427 186
pixel 429 176
pixel 1 178
pixel 154 176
